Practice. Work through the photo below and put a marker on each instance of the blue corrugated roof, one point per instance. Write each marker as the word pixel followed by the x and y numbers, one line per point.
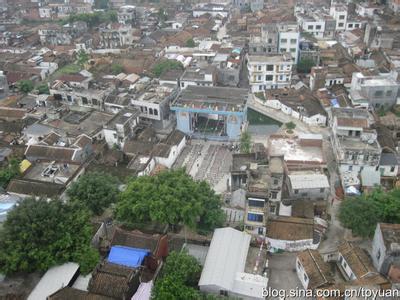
pixel 335 102
pixel 127 256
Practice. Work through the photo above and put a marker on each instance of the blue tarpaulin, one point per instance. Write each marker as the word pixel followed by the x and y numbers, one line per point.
pixel 127 256
pixel 335 102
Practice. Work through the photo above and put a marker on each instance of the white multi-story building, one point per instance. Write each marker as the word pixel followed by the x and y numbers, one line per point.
pixel 270 71
pixel 289 39
pixel 339 13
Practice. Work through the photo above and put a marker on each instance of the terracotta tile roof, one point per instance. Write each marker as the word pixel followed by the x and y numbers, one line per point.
pixel 72 78
pixel 35 188
pixel 69 293
pixel 135 239
pixel 114 281
pixel 317 270
pixel 290 229
pixel 12 113
pixel 357 259
pixel 362 123
pixel 50 153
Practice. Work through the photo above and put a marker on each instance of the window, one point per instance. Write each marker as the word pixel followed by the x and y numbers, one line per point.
pixel 283 50
pixel 254 49
pixel 341 17
pixel 265 49
pixel 272 209
pixel 95 102
pixel 344 264
pixel 378 94
pixel 270 67
pixel 299 265
pixel 84 100
pixel 259 68
pixel 260 230
pixel 392 168
pixel 357 25
pixel 321 190
pixel 276 181
pixel 318 27
pixel 378 255
pixel 350 168
pixel 283 41
pixel 274 195
pixel 260 88
pixel 293 41
pixel 296 191
pixel 389 93
pixel 259 77
pixel 269 77
pixel 256 203
pixel 340 24
pixel 305 277
pixel 183 84
pixel 223 293
pixel 292 50
pixel 155 112
pixel 255 217
pixel 350 25
pixel 281 77
pixel 310 27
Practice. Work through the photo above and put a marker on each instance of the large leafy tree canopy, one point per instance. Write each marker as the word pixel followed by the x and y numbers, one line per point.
pixel 178 278
pixel 39 234
pixel 95 190
pixel 9 172
pixel 361 214
pixel 171 197
pixel 166 65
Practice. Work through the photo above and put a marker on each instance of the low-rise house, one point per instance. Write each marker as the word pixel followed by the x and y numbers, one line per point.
pixel 199 77
pixel 53 148
pixel 355 264
pixel 291 234
pixel 228 270
pixel 298 103
pixel 114 281
pixel 386 250
pixel 308 185
pixel 54 279
pixel 153 102
pixel 376 91
pixel 302 152
pixel 312 270
pixel 389 165
pixel 120 128
pixel 47 179
pixel 67 293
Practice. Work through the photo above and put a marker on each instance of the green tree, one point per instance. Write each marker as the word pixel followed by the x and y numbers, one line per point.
pixel 116 69
pixel 290 126
pixel 94 190
pixel 245 142
pixel 305 65
pixel 82 57
pixel 9 172
pixel 362 213
pixel 43 89
pixel 25 86
pixel 39 234
pixel 190 43
pixel 170 197
pixel 178 278
pixel 165 65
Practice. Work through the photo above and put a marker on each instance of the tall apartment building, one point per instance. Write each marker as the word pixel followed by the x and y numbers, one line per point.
pixel 339 13
pixel 269 71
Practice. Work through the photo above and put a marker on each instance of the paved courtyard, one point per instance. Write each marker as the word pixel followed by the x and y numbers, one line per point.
pixel 282 273
pixel 209 161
